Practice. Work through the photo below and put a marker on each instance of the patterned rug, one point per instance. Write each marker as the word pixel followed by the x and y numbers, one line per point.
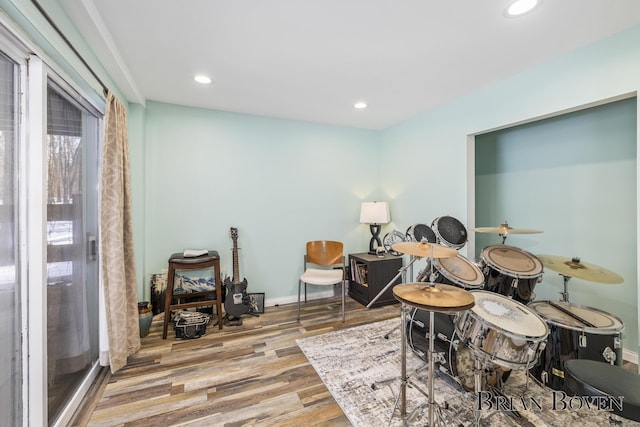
pixel 361 368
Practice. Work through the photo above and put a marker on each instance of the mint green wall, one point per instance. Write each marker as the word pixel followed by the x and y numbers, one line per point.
pixel 572 176
pixel 280 182
pixel 423 166
pixel 428 161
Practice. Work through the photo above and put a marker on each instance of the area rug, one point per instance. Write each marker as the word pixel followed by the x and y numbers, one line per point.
pixel 361 368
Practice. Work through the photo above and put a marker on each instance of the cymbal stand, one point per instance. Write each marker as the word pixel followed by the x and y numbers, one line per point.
pixel 565 294
pixel 504 237
pixel 404 380
pixel 401 272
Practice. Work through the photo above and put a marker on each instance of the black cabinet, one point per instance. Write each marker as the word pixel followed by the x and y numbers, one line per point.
pixel 369 274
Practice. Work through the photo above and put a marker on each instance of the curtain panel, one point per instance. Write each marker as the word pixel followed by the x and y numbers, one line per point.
pixel 118 268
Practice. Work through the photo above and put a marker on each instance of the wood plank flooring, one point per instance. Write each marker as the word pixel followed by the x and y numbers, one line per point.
pixel 253 374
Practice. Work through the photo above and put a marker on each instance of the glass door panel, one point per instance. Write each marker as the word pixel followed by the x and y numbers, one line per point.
pixel 10 352
pixel 72 280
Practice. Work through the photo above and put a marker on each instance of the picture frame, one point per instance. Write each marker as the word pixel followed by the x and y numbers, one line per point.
pixel 256 302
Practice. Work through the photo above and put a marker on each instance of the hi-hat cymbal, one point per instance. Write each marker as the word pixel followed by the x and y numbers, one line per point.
pixel 574 267
pixel 434 296
pixel 424 250
pixel 504 229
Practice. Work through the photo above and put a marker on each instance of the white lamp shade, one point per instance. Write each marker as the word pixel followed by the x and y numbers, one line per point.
pixel 374 213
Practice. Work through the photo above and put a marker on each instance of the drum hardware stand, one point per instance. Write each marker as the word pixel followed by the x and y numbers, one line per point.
pixel 565 294
pixel 401 273
pixel 404 380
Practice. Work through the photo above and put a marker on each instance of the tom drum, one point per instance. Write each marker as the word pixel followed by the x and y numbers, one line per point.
pixel 457 271
pixel 418 232
pixel 510 271
pixel 449 232
pixel 575 332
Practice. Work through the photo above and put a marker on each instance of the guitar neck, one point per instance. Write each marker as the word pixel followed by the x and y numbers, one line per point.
pixel 236 265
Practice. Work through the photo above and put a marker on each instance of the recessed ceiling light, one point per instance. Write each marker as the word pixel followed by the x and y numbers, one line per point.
pixel 360 105
pixel 202 79
pixel 520 7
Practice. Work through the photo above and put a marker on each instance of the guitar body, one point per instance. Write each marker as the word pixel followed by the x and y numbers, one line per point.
pixel 236 301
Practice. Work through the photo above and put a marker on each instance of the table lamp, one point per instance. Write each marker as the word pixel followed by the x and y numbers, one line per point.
pixel 374 214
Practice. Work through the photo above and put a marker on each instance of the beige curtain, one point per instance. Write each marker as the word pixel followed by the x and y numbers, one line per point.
pixel 118 269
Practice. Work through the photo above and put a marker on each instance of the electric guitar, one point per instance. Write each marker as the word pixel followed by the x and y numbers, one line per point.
pixel 236 302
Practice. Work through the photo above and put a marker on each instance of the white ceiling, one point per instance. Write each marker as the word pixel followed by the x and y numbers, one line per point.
pixel 312 59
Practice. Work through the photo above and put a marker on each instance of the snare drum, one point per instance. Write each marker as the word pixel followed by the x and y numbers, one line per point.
pixel 418 232
pixel 510 271
pixel 449 232
pixel 457 271
pixel 598 337
pixel 502 331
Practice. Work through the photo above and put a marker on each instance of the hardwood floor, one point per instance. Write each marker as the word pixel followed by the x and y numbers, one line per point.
pixel 253 374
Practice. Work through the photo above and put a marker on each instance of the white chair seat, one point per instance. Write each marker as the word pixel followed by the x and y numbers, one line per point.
pixel 325 255
pixel 315 276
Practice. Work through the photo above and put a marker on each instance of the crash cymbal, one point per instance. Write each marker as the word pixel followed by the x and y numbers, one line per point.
pixel 574 267
pixel 504 229
pixel 434 296
pixel 424 250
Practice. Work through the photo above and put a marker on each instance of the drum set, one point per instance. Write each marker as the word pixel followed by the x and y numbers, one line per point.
pixel 478 321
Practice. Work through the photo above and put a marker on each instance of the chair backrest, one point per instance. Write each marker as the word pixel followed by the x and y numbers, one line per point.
pixel 324 252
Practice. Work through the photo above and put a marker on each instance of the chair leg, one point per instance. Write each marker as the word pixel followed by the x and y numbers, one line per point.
pixel 168 299
pixel 343 301
pixel 299 286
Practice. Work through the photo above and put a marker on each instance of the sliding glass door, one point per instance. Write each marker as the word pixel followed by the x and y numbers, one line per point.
pixel 49 166
pixel 10 325
pixel 72 273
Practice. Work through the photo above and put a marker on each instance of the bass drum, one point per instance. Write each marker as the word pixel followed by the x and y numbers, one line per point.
pixel 449 232
pixel 457 271
pixel 575 332
pixel 420 232
pixel 392 238
pixel 510 271
pixel 456 359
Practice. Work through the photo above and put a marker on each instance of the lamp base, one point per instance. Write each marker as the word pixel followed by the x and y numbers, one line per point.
pixel 375 238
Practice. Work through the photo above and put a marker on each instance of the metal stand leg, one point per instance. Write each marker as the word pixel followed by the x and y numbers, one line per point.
pixel 432 400
pixel 401 272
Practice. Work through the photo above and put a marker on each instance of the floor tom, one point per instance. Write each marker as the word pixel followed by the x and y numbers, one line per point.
pixel 575 332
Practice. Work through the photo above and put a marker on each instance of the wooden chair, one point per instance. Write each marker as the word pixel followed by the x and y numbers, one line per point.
pixel 327 255
pixel 213 298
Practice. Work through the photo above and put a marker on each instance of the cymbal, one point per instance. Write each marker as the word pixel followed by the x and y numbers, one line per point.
pixel 504 229
pixel 424 250
pixel 434 296
pixel 574 267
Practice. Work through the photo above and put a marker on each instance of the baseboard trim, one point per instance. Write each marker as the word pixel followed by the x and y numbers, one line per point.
pixel 630 356
pixel 272 302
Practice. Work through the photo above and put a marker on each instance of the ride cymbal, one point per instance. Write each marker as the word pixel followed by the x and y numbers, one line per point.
pixel 424 250
pixel 574 267
pixel 434 296
pixel 504 229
